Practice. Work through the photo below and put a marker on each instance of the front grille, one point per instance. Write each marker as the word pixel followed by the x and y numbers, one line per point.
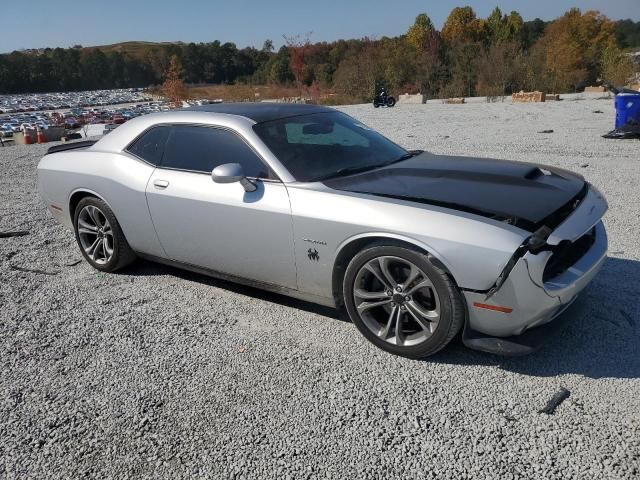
pixel 566 254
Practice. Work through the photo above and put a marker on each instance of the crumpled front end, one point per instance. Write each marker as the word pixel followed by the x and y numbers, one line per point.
pixel 543 282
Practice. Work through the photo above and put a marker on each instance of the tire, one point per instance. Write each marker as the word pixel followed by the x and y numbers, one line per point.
pixel 376 104
pixel 429 306
pixel 391 102
pixel 99 236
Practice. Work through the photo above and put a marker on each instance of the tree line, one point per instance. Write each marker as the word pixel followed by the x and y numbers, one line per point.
pixel 489 56
pixel 77 68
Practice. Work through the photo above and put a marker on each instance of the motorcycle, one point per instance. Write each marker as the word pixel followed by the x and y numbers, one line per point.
pixel 384 100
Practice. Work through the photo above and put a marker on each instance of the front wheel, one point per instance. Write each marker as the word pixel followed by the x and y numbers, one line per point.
pixel 376 104
pixel 391 102
pixel 401 302
pixel 100 237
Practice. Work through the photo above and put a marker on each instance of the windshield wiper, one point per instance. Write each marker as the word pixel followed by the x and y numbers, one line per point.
pixel 406 156
pixel 346 171
pixel 343 172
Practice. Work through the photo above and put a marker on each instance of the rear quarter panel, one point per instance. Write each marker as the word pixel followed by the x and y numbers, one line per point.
pixel 118 179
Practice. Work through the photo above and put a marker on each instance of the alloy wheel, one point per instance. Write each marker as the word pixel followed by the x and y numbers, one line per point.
pixel 95 234
pixel 396 300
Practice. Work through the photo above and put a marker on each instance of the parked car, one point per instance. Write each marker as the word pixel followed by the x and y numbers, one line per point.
pixel 309 202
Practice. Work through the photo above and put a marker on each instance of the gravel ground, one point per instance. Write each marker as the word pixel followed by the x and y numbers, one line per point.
pixel 159 373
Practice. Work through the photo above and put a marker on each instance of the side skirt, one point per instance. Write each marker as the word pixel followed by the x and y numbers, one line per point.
pixel 289 292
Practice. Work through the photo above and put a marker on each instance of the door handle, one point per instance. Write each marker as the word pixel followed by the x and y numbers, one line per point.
pixel 161 184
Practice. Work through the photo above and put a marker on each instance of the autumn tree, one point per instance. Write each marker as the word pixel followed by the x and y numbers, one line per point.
pixel 425 42
pixel 298 48
pixel 570 52
pixel 398 64
pixel 464 36
pixel 616 66
pixel 503 28
pixel 462 26
pixel 173 87
pixel 559 64
pixel 420 35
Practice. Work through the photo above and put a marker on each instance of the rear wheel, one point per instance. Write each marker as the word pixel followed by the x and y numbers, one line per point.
pixel 401 302
pixel 100 237
pixel 391 102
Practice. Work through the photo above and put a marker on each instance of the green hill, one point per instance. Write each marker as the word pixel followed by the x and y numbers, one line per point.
pixel 136 49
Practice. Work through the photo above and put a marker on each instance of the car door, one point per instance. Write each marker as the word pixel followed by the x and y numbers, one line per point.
pixel 221 226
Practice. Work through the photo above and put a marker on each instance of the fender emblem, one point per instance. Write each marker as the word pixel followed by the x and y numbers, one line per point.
pixel 312 253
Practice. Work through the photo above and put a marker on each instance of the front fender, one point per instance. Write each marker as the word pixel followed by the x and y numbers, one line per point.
pixel 473 249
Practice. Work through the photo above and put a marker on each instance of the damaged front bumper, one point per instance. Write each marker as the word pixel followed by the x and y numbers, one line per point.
pixel 512 319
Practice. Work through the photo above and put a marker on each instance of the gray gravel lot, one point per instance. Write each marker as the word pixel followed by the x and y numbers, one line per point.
pixel 156 372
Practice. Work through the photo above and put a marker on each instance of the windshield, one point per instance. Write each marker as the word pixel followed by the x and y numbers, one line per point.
pixel 319 146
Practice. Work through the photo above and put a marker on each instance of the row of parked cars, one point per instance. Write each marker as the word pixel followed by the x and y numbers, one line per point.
pixel 75 118
pixel 35 102
pixel 15 124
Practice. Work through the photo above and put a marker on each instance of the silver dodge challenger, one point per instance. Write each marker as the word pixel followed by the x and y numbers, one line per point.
pixel 308 202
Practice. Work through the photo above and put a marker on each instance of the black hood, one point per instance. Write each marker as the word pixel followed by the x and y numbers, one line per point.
pixel 523 193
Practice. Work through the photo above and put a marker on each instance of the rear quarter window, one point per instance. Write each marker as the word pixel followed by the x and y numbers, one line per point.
pixel 151 144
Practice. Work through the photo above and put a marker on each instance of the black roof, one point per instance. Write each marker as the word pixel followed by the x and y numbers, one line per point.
pixel 262 112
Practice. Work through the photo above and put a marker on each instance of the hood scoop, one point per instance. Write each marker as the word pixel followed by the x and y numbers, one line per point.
pixel 536 172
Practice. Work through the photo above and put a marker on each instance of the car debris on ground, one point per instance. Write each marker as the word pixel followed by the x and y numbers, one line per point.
pixel 13 234
pixel 553 403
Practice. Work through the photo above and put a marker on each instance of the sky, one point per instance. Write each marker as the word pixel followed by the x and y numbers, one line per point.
pixel 248 22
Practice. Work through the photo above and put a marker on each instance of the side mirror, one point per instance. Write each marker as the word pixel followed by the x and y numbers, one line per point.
pixel 227 173
pixel 231 173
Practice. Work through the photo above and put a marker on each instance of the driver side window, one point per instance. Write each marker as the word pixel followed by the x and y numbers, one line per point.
pixel 201 149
